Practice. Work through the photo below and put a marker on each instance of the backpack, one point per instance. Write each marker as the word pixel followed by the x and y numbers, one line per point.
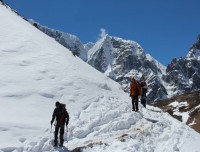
pixel 143 87
pixel 61 115
pixel 137 91
pixel 142 83
pixel 137 88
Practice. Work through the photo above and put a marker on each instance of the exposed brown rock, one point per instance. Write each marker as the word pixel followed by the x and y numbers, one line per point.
pixel 192 107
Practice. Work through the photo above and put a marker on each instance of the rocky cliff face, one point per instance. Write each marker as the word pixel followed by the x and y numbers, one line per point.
pixel 195 50
pixel 183 75
pixel 119 59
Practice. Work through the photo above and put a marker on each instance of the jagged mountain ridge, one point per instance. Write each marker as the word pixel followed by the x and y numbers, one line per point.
pixel 183 74
pixel 69 41
pixel 119 59
pixel 195 50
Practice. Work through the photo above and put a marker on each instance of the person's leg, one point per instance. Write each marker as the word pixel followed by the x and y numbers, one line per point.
pixel 62 129
pixel 133 103
pixel 136 103
pixel 143 101
pixel 56 135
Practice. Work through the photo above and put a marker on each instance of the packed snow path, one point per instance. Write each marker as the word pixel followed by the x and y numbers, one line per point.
pixel 119 129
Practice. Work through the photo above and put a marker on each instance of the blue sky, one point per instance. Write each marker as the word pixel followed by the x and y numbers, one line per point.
pixel 164 28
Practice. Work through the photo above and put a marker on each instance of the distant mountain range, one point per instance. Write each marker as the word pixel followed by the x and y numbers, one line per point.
pixel 119 59
pixel 183 74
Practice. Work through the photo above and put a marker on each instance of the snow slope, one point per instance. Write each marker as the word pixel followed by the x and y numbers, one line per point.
pixel 36 71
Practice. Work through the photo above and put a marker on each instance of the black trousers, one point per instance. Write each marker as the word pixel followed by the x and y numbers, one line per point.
pixel 135 103
pixel 58 127
pixel 143 101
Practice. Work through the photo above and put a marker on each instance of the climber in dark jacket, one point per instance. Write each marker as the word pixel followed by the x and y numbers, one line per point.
pixel 143 86
pixel 62 118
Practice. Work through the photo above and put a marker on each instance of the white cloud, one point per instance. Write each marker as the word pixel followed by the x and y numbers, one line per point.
pixel 102 33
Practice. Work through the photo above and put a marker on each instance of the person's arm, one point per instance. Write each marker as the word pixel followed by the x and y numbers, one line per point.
pixel 67 118
pixel 139 89
pixel 53 116
pixel 131 89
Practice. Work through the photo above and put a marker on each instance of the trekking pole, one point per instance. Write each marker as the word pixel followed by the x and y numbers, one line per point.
pixel 67 136
pixel 50 135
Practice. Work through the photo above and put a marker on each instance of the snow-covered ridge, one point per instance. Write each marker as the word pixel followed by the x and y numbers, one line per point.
pixel 69 41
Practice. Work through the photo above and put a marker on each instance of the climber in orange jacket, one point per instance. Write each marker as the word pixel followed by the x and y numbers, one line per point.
pixel 134 93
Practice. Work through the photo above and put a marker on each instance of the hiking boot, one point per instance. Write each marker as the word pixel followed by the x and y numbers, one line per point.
pixel 55 143
pixel 60 145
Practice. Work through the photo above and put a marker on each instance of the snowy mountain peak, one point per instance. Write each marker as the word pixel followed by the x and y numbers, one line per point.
pixel 112 44
pixel 183 74
pixel 195 50
pixel 119 59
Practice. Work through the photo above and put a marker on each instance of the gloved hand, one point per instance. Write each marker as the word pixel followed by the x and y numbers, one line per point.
pixel 67 123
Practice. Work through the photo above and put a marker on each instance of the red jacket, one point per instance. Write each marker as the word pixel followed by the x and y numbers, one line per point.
pixel 134 88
